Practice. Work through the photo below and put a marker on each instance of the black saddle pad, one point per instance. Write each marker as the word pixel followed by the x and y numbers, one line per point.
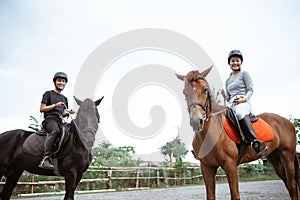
pixel 34 144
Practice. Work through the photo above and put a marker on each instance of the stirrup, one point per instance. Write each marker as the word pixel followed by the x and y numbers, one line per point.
pixel 263 151
pixel 259 151
pixel 46 159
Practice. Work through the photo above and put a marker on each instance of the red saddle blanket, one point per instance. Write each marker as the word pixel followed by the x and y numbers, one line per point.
pixel 262 129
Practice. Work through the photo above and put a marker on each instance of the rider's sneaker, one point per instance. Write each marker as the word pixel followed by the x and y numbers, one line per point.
pixel 259 147
pixel 46 164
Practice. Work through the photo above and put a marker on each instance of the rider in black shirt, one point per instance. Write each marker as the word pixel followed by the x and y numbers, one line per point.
pixel 54 106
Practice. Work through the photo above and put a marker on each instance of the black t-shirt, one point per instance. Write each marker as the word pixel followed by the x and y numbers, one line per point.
pixel 51 97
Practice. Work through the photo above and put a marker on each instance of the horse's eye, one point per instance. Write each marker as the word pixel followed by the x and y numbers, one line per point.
pixel 205 91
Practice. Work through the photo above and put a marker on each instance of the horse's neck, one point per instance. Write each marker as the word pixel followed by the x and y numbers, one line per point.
pixel 82 128
pixel 215 107
pixel 83 123
pixel 212 126
pixel 206 140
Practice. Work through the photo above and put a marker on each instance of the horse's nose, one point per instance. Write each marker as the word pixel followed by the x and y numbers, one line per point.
pixel 197 123
pixel 200 125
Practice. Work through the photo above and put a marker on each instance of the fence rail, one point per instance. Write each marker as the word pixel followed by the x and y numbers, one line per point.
pixel 115 178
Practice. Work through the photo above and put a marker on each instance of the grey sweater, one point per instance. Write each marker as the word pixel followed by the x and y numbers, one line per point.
pixel 241 85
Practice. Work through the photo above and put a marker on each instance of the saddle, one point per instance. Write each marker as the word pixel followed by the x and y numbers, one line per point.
pixel 34 144
pixel 263 130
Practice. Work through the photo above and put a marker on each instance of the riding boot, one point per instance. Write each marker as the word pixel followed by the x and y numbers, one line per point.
pixel 46 162
pixel 247 128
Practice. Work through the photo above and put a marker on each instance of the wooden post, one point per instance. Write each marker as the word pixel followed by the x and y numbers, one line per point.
pixel 175 176
pixel 157 177
pixel 184 180
pixel 109 175
pixel 32 180
pixel 193 174
pixel 165 177
pixel 137 179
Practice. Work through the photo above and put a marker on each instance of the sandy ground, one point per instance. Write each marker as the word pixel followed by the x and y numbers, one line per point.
pixel 248 190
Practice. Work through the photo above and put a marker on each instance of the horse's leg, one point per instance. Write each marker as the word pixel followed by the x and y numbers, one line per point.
pixel 231 171
pixel 288 162
pixel 70 185
pixel 283 164
pixel 274 160
pixel 10 184
pixel 79 176
pixel 209 175
pixel 1 173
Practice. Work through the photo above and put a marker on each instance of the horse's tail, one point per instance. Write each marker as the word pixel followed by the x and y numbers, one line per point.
pixel 297 174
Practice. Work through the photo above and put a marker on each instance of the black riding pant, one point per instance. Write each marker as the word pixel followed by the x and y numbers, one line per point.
pixel 52 126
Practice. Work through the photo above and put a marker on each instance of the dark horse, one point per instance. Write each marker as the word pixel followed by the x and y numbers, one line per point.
pixel 214 148
pixel 73 160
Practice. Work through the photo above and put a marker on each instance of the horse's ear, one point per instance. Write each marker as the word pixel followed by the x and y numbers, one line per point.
pixel 78 101
pixel 98 101
pixel 205 72
pixel 181 77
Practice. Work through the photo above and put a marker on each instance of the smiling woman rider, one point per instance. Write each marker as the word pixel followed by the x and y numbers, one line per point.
pixel 239 89
pixel 53 105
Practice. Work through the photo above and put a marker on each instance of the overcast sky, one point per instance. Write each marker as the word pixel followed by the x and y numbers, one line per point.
pixel 39 38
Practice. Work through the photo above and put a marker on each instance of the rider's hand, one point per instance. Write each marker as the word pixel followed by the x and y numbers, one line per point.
pixel 59 104
pixel 240 100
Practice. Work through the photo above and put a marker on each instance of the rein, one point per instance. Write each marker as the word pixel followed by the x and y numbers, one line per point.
pixel 217 113
pixel 205 108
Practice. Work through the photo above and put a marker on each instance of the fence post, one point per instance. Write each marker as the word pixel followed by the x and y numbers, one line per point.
pixel 32 180
pixel 193 174
pixel 157 177
pixel 137 178
pixel 175 177
pixel 184 180
pixel 109 175
pixel 165 177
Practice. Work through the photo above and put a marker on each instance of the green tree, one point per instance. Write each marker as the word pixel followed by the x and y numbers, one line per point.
pixel 107 155
pixel 174 148
pixel 35 124
pixel 167 150
pixel 296 122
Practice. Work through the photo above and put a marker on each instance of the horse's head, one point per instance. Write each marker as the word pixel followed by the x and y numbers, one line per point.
pixel 197 94
pixel 87 120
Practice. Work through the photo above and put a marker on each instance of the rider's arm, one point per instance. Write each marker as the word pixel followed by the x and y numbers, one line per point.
pixel 45 108
pixel 248 84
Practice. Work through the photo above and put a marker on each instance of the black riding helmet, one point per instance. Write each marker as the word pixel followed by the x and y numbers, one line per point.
pixel 237 53
pixel 60 75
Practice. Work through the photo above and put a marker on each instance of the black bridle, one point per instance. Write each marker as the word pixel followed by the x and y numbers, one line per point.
pixel 204 108
pixel 207 106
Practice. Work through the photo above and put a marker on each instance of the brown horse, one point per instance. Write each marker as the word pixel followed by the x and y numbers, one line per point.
pixel 214 148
